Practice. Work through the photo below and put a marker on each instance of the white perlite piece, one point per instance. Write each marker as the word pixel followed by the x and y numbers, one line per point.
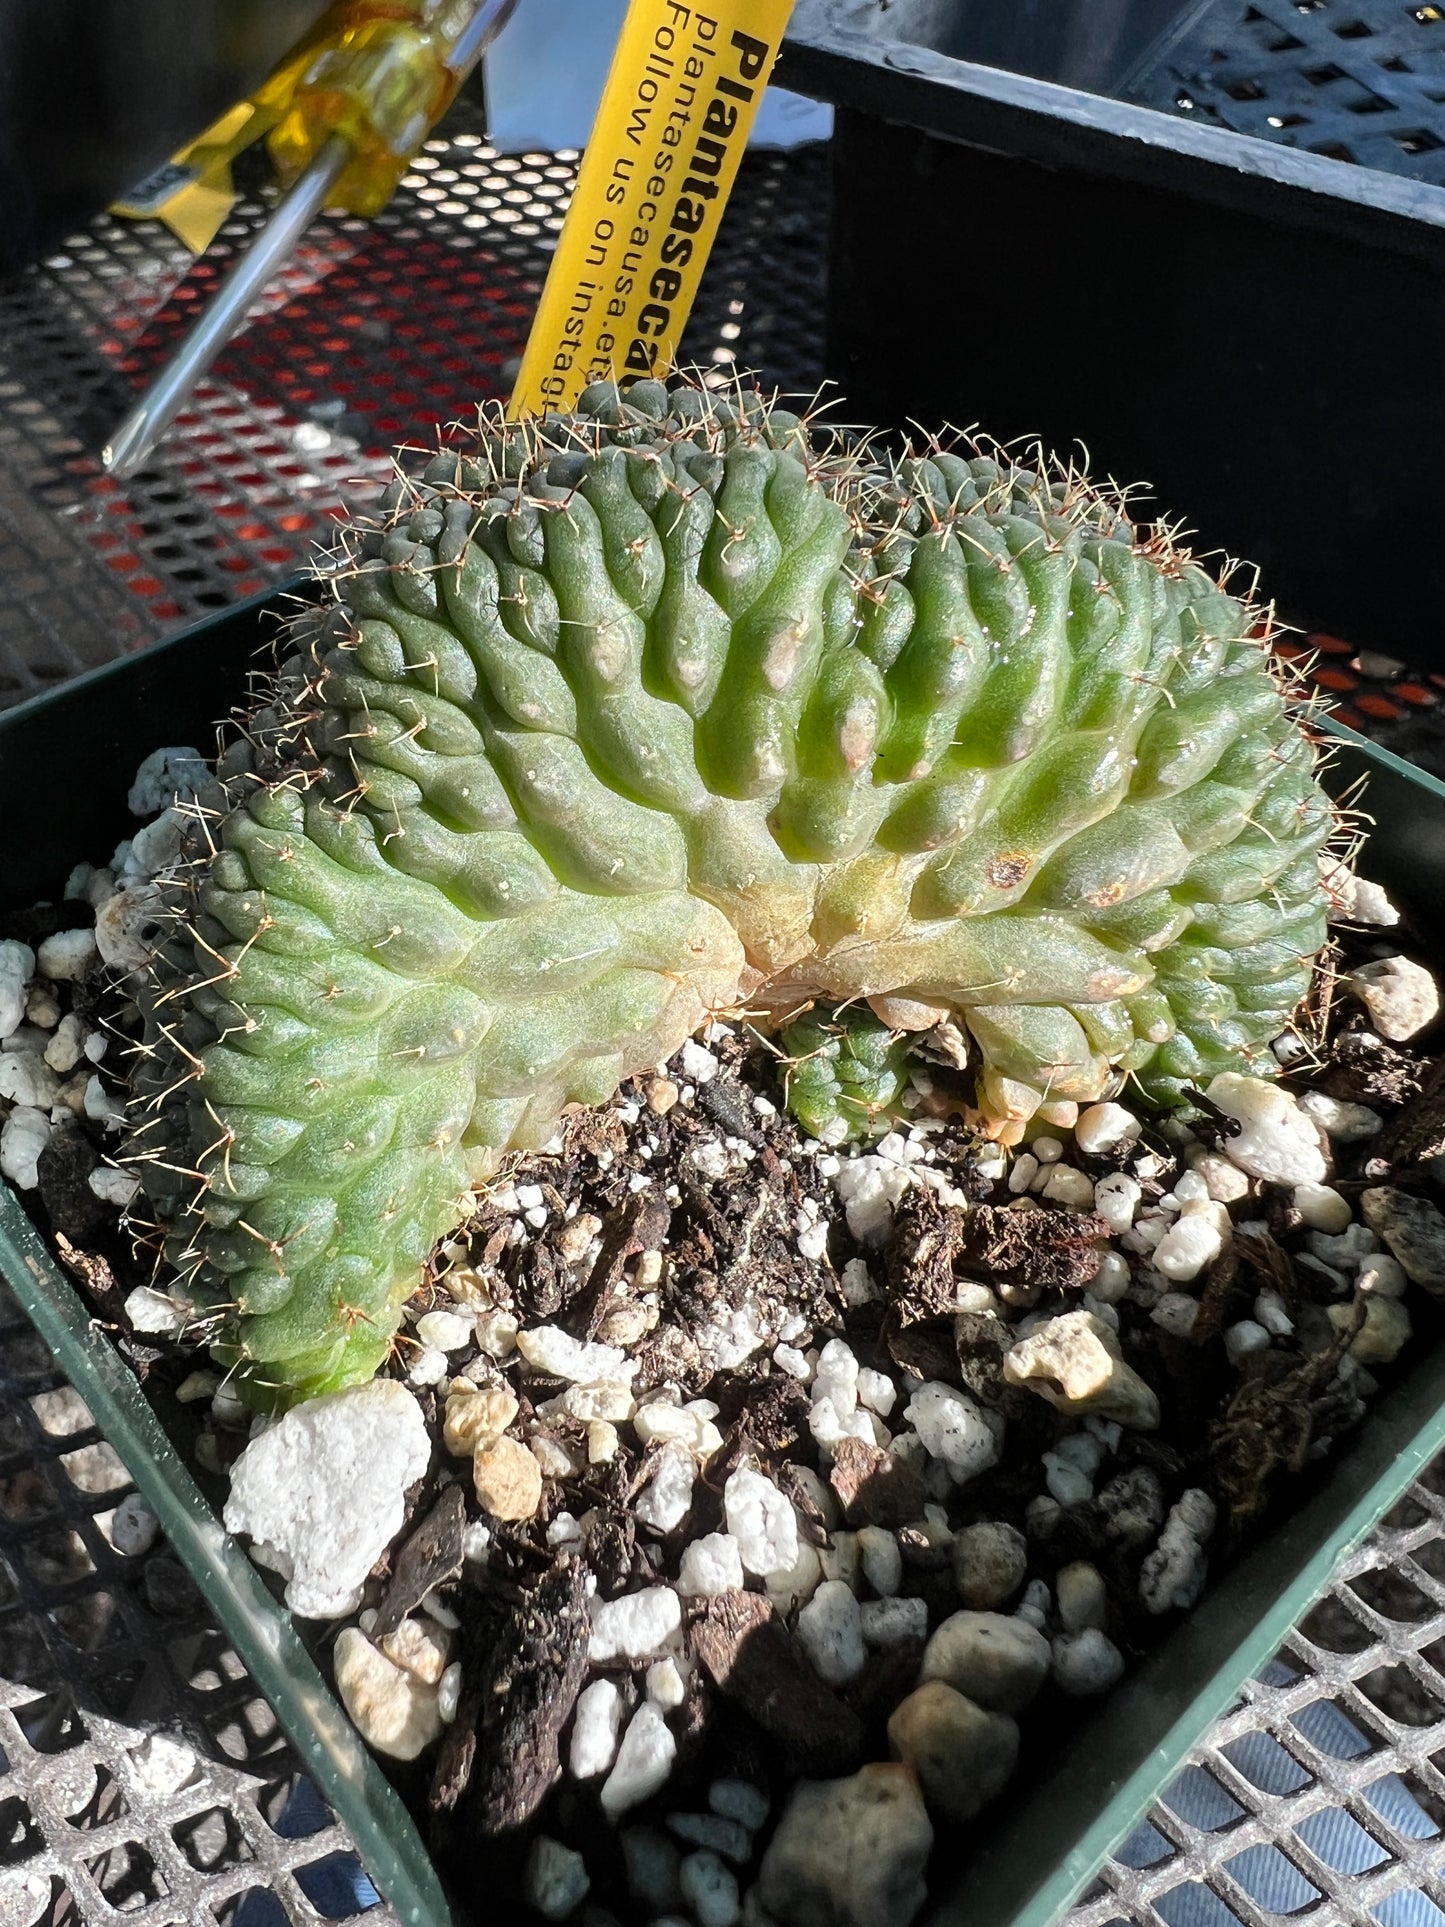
pixel 710 1566
pixel 635 1625
pixel 870 1186
pixel 1345 1123
pixel 554 1879
pixel 1277 1141
pixel 830 1631
pixel 26 1079
pixel 547 1348
pixel 1354 899
pixel 393 1710
pixel 644 1761
pixel 762 1521
pixel 165 776
pixel 67 956
pixel 595 1727
pixel 1173 1574
pixel 1074 1362
pixel 148 1310
pixel 24 1137
pixel 445 1331
pixel 1116 1199
pixel 952 1429
pixel 17 967
pixel 664 1502
pixel 321 1492
pixel 1400 996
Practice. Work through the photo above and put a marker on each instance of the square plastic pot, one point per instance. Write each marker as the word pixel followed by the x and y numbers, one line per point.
pixel 66 762
pixel 1240 324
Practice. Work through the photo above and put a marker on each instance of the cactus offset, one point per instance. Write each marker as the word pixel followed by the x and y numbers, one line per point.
pixel 625 716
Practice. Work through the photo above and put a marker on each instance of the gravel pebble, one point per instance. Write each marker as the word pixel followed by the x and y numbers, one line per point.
pixel 134 1527
pixel 394 1711
pixel 644 1760
pixel 830 1631
pixel 635 1625
pixel 554 1878
pixel 998 1662
pixel 25 1135
pixel 1086 1662
pixel 710 1888
pixel 849 1853
pixel 1277 1141
pixel 596 1725
pixel 1414 1229
pixel 1399 994
pixel 507 1479
pixel 893 1622
pixel 961 1753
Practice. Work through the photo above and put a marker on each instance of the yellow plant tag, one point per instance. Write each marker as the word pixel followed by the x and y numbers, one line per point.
pixel 681 95
pixel 192 193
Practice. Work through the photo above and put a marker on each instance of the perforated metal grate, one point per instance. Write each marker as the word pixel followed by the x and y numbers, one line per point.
pixel 142 1776
pixel 374 332
pixel 1355 80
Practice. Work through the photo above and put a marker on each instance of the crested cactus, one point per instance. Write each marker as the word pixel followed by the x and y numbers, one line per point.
pixel 670 706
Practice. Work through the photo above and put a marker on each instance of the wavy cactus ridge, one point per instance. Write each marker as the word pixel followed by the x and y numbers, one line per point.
pixel 625 717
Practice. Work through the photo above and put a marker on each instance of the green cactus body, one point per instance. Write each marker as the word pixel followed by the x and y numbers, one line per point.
pixel 628 716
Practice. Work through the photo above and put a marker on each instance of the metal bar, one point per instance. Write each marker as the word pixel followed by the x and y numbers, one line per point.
pixel 143 427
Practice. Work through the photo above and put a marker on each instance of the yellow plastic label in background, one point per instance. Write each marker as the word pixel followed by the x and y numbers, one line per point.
pixel 681 95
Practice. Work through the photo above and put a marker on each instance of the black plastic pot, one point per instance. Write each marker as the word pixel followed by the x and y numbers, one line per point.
pixel 1051 1834
pixel 1250 328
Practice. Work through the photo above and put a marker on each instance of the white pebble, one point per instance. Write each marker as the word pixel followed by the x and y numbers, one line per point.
pixel 1086 1662
pixel 711 1888
pixel 26 1079
pixel 893 1622
pixel 830 1631
pixel 665 1684
pixel 1025 1170
pixel 1383 1276
pixel 1176 1313
pixel 554 1879
pixel 881 1560
pixel 789 1359
pixel 1277 1141
pixel 1399 994
pixel 1321 1207
pixel 155 1313
pixel 1224 1181
pixel 1105 1127
pixel 449 1692
pixel 392 1709
pixel 635 1625
pixel 1069 1187
pixel 1271 1312
pixel 134 1528
pixel 1067 1482
pixel 101 1107
pixel 1345 1123
pixel 25 1135
pixel 644 1761
pixel 1048 1150
pixel 710 1566
pixel 739 1800
pixel 715 1831
pixel 1186 1248
pixel 1174 1572
pixel 67 956
pixel 857 1283
pixel 1112 1279
pixel 1083 1596
pixel 1116 1198
pixel 665 1501
pixel 17 967
pixel 836 1378
pixel 448 1331
pixel 762 1521
pixel 1245 1337
pixel 67 1046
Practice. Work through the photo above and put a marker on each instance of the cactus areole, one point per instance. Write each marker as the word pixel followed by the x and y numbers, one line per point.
pixel 671 706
